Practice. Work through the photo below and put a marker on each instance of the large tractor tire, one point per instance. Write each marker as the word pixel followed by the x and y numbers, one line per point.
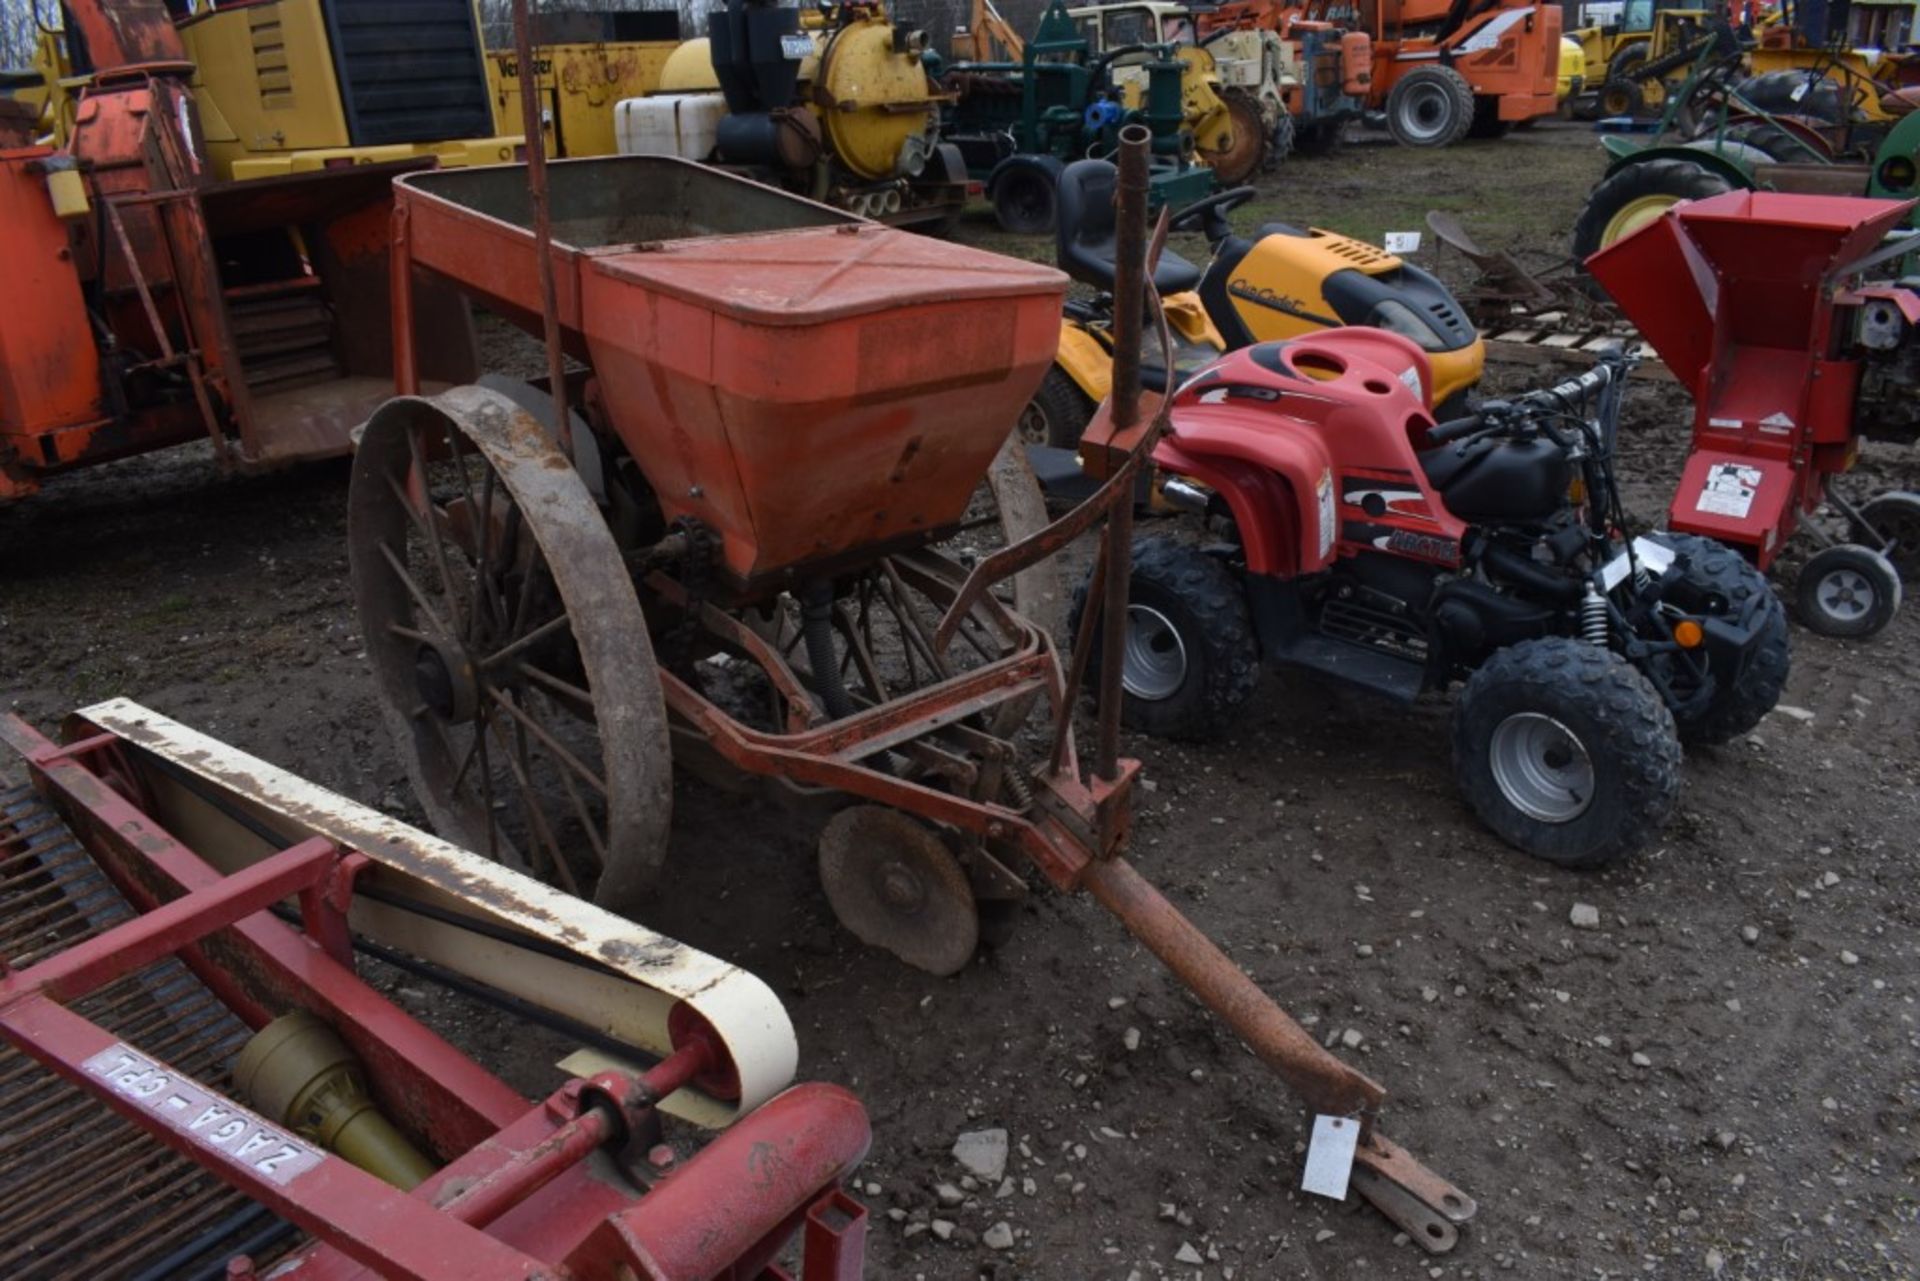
pixel 1281 144
pixel 1486 119
pixel 1627 59
pixel 1246 149
pixel 1430 107
pixel 1321 137
pixel 1636 194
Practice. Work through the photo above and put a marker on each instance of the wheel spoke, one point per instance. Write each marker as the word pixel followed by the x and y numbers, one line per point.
pixel 434 542
pixel 552 627
pixel 525 720
pixel 414 590
pixel 552 683
pixel 536 815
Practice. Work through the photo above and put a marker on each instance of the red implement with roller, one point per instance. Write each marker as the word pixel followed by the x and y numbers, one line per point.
pixel 133 964
pixel 1781 314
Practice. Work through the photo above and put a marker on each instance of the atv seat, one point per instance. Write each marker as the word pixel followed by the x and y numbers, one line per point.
pixel 1084 227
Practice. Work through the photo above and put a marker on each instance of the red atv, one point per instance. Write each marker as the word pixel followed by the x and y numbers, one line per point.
pixel 1365 543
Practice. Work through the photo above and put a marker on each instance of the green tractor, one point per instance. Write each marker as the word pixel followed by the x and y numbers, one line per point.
pixel 1790 130
pixel 1018 124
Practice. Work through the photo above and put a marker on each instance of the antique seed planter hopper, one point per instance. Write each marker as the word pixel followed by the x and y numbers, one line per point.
pixel 744 552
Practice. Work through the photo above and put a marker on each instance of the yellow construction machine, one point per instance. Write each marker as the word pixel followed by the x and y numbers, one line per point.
pixel 586 64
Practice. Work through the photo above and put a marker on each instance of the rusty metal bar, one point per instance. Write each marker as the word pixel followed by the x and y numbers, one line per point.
pixel 536 146
pixel 1129 302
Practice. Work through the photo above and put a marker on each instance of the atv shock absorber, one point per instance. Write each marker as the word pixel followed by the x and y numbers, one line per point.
pixel 1593 617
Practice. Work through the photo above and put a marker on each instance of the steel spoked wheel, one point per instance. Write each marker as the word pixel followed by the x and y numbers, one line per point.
pixel 1541 767
pixel 1155 665
pixel 511 653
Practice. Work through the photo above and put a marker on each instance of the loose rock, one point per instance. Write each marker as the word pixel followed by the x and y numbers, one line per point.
pixel 984 1152
pixel 1584 916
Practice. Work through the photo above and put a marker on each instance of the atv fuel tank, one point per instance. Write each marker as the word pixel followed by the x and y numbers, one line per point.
pixel 1500 480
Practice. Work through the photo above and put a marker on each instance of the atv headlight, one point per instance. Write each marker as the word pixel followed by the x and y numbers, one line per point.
pixel 1398 318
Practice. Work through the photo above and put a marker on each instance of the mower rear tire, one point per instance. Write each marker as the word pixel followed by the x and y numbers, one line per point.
pixel 1718 581
pixel 1566 751
pixel 1894 517
pixel 1430 107
pixel 1023 201
pixel 1191 659
pixel 1847 591
pixel 1058 412
pixel 1635 195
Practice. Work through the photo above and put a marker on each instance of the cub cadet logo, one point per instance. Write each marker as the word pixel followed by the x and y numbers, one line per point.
pixel 1266 297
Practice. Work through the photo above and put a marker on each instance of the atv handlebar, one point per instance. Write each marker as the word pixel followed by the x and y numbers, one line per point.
pixel 1453 429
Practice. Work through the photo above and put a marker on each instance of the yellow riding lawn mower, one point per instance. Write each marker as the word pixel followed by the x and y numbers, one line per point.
pixel 1282 284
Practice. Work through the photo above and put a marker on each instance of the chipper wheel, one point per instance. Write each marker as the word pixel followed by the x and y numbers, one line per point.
pixel 1847 591
pixel 1566 751
pixel 1430 107
pixel 894 884
pixel 1246 149
pixel 512 657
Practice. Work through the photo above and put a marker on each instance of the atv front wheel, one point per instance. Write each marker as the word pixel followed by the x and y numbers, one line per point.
pixel 1847 591
pixel 1566 752
pixel 1717 581
pixel 1190 660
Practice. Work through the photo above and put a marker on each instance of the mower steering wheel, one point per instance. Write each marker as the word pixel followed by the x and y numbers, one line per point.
pixel 1210 214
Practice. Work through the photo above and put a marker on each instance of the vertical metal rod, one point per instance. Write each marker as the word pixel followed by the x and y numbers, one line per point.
pixel 536 147
pixel 1129 302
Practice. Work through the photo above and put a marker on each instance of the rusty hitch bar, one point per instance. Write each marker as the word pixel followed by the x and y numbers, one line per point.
pixel 1427 1207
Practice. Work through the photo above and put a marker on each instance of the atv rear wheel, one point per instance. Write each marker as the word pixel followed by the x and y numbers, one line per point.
pixel 1430 107
pixel 1847 591
pixel 1191 660
pixel 1058 412
pixel 1637 194
pixel 1566 752
pixel 1246 150
pixel 1718 581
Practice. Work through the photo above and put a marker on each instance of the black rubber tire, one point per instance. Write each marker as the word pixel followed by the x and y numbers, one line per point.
pixel 1430 107
pixel 1321 138
pixel 1239 164
pixel 1486 119
pixel 1023 202
pixel 1618 719
pixel 1814 596
pixel 1206 605
pixel 1280 144
pixel 1679 179
pixel 1058 412
pixel 1627 59
pixel 1895 516
pixel 1620 98
pixel 1719 580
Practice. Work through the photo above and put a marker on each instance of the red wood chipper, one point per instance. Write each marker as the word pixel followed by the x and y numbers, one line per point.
pixel 742 553
pixel 274 1114
pixel 1783 316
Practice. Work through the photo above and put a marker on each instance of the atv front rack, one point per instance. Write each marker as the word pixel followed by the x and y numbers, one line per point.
pixel 133 965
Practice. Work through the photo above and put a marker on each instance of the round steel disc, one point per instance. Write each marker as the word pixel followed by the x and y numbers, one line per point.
pixel 894 884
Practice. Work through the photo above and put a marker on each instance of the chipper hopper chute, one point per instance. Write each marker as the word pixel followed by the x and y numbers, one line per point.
pixel 1755 300
pixel 275 1111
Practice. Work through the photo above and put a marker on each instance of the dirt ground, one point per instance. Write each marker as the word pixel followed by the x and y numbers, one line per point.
pixel 1722 1078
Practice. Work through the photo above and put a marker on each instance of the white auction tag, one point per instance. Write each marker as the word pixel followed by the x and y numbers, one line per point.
pixel 1403 242
pixel 1330 1156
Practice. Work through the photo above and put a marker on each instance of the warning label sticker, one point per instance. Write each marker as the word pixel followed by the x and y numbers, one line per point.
pixel 1729 490
pixel 1327 517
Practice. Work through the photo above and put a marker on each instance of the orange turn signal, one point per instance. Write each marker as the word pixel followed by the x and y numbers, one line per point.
pixel 1689 633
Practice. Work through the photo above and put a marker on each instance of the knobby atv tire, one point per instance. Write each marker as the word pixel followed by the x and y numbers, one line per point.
pixel 1207 607
pixel 1058 412
pixel 1718 581
pixel 1671 180
pixel 1617 716
pixel 1430 107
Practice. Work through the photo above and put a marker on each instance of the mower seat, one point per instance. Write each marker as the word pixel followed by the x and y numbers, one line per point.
pixel 1084 228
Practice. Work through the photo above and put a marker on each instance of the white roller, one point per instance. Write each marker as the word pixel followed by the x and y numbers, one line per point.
pixel 624 982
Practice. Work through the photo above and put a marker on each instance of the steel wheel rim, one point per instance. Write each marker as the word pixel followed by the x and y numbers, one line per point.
pixel 1541 767
pixel 1633 215
pixel 1846 594
pixel 1034 428
pixel 1425 112
pixel 1155 664
pixel 549 753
